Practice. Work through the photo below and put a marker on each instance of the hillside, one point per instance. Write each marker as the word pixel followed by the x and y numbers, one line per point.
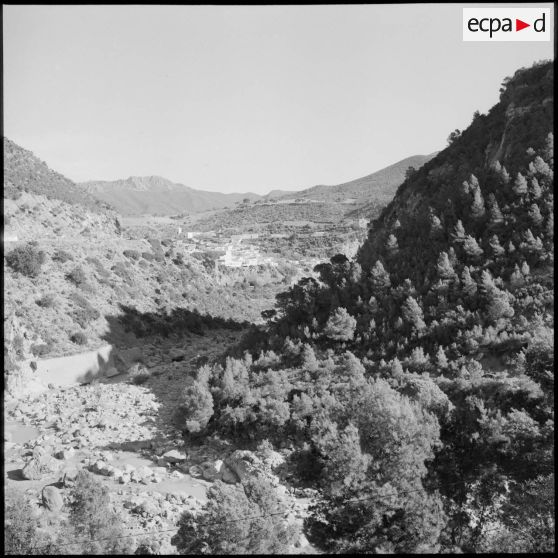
pixel 416 381
pixel 378 187
pixel 23 172
pixel 154 195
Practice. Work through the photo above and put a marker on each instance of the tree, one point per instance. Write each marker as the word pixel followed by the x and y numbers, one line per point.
pixel 459 232
pixel 444 267
pixel 471 247
pixel 535 189
pixel 468 284
pixel 391 244
pixel 379 277
pixel 496 217
pixel 412 313
pixel 496 248
pixel 237 520
pixel 454 136
pixel 196 406
pixel 340 325
pixel 91 520
pixel 520 185
pixel 477 205
pixel 23 533
pixel 535 215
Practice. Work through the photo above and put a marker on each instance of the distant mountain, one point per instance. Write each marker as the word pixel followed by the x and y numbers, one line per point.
pixel 24 172
pixel 379 186
pixel 154 195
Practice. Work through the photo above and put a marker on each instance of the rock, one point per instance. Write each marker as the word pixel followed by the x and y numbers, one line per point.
pixel 156 479
pixel 65 454
pixel 177 354
pixel 245 464
pixel 124 478
pixel 136 445
pixel 129 468
pixel 195 471
pixel 174 456
pixel 228 476
pixel 112 371
pixel 211 471
pixel 40 466
pixel 52 498
pixel 176 475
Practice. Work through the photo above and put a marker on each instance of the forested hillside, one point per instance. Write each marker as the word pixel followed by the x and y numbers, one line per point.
pixel 415 383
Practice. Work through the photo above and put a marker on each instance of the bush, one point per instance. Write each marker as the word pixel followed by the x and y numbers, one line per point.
pixel 22 529
pixel 40 350
pixel 132 254
pixel 79 338
pixel 147 256
pixel 77 276
pixel 92 522
pixel 46 301
pixel 26 260
pixel 138 374
pixel 214 531
pixel 62 256
pixel 84 313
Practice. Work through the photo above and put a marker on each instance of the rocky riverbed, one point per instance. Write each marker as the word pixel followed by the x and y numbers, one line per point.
pixel 125 435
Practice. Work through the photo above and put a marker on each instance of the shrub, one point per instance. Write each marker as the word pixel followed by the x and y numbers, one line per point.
pixel 77 276
pixel 138 374
pixel 40 350
pixel 132 254
pixel 79 338
pixel 92 522
pixel 22 529
pixel 46 301
pixel 147 256
pixel 215 531
pixel 62 256
pixel 26 260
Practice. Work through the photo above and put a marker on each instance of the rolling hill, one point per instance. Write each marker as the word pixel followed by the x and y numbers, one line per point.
pixel 379 186
pixel 154 195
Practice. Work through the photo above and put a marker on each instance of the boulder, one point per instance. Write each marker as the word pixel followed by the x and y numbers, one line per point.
pixel 228 476
pixel 174 456
pixel 52 498
pixel 195 471
pixel 40 466
pixel 245 464
pixel 211 471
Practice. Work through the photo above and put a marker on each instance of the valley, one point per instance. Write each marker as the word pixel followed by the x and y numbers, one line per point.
pixel 361 368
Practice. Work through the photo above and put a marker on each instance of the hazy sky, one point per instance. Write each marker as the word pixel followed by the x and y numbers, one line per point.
pixel 244 98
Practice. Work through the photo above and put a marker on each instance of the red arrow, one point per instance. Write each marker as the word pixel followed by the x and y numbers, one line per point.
pixel 519 25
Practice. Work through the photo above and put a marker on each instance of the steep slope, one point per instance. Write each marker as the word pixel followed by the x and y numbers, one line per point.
pixel 426 365
pixel 23 172
pixel 154 195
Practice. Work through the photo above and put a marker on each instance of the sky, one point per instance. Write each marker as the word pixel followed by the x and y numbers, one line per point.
pixel 245 98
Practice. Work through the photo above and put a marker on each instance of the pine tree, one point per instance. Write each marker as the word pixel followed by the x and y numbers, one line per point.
pixel 496 248
pixel 494 212
pixel 412 313
pixel 379 277
pixel 504 175
pixel 550 226
pixel 468 284
pixel 391 244
pixel 477 205
pixel 516 278
pixel 535 189
pixel 340 325
pixel 441 359
pixel 309 361
pixel 471 247
pixel 520 185
pixel 435 225
pixel 459 232
pixel 511 247
pixel 444 267
pixel 525 271
pixel 535 215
